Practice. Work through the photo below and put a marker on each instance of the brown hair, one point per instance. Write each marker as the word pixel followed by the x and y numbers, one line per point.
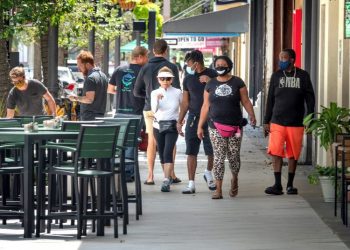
pixel 165 69
pixel 160 46
pixel 17 72
pixel 86 57
pixel 139 51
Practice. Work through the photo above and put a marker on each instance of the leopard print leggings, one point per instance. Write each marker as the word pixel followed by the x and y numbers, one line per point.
pixel 225 146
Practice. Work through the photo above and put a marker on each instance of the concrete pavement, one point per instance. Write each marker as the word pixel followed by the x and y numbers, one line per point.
pixel 251 221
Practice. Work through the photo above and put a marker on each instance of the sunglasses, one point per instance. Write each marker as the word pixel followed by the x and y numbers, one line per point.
pixel 165 79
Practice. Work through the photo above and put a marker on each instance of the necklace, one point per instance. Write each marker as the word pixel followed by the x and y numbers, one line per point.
pixel 295 72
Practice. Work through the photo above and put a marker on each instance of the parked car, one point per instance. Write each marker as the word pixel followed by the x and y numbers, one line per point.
pixel 66 81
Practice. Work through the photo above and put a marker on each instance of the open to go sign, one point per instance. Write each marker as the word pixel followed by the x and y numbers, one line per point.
pixel 188 42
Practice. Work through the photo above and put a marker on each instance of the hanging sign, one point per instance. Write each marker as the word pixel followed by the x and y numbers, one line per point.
pixel 189 42
pixel 347 19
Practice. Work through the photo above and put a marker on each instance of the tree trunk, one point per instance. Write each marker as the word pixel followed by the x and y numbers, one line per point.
pixel 4 76
pixel 37 62
pixel 44 43
pixel 62 56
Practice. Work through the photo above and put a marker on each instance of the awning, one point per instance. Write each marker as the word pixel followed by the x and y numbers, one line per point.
pixel 229 22
pixel 131 45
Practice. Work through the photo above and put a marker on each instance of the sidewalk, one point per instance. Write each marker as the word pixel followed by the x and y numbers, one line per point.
pixel 172 220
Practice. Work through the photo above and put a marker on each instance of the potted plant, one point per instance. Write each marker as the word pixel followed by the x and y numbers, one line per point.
pixel 324 175
pixel 325 126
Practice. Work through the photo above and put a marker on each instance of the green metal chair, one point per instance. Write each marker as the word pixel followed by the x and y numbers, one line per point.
pixel 62 159
pixel 131 141
pixel 37 118
pixel 10 166
pixel 94 142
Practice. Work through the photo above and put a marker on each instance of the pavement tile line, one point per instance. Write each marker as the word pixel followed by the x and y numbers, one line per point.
pixel 252 221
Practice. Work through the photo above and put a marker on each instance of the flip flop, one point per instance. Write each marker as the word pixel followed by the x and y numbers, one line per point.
pixel 149 182
pixel 176 180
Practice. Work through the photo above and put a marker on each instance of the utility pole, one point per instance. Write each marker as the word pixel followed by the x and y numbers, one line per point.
pixel 91 47
pixel 151 31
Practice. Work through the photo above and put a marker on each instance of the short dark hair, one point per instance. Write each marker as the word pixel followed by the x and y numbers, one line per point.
pixel 290 52
pixel 187 55
pixel 160 46
pixel 196 56
pixel 225 58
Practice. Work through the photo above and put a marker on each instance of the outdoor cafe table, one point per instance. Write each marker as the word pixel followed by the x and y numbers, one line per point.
pixel 29 139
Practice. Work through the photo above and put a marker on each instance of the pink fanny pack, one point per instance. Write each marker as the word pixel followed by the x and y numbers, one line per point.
pixel 227 130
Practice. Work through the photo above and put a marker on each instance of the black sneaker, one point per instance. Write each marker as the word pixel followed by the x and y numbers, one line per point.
pixel 274 190
pixel 292 190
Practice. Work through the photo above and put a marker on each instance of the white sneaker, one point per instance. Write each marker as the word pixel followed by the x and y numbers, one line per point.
pixel 208 177
pixel 189 190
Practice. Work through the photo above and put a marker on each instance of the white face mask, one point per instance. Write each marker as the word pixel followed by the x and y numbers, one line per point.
pixel 189 70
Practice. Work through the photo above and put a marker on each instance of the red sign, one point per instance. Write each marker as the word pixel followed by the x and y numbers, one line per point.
pixel 213 42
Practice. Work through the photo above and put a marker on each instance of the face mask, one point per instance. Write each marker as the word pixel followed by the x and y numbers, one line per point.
pixel 189 70
pixel 283 65
pixel 222 70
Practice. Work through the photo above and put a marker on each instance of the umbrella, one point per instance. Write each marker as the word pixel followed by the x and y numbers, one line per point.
pixel 131 45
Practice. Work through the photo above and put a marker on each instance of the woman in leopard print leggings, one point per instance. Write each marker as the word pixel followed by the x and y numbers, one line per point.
pixel 223 147
pixel 222 98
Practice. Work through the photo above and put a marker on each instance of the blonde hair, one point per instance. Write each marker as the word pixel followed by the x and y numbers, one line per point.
pixel 17 72
pixel 165 69
pixel 86 57
pixel 139 51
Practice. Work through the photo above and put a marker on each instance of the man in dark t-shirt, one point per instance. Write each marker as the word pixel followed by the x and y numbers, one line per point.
pixel 290 89
pixel 28 96
pixel 122 83
pixel 94 97
pixel 193 88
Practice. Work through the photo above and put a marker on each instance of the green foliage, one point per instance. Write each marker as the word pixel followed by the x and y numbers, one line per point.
pixel 141 12
pixel 329 171
pixel 329 122
pixel 178 6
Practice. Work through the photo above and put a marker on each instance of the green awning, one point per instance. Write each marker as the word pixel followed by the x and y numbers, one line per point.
pixel 131 45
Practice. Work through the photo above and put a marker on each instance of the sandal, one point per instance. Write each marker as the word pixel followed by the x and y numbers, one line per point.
pixel 149 182
pixel 216 196
pixel 176 180
pixel 234 187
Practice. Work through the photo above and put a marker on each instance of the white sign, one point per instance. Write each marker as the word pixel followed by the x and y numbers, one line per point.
pixel 189 42
pixel 171 41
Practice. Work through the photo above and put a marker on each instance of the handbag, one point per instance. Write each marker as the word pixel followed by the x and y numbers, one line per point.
pixel 167 126
pixel 227 130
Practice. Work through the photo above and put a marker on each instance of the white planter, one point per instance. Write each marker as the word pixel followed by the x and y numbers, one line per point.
pixel 327 185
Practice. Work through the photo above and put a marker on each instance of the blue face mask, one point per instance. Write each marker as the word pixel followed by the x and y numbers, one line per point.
pixel 283 65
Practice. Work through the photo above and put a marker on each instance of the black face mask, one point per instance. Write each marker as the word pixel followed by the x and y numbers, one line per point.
pixel 222 70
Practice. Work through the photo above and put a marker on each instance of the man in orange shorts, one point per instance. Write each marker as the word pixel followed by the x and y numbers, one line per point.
pixel 290 88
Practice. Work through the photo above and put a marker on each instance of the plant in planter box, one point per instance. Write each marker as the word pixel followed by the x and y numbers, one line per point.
pixel 314 176
pixel 325 126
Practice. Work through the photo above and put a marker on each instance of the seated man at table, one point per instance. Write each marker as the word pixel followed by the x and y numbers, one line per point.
pixel 27 96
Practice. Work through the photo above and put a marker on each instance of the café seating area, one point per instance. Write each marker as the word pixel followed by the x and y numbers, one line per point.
pixel 69 173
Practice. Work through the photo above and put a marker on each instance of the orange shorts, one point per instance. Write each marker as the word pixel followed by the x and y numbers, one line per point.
pixel 285 142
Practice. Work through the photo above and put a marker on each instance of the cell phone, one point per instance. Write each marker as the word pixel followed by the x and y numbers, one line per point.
pixel 266 133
